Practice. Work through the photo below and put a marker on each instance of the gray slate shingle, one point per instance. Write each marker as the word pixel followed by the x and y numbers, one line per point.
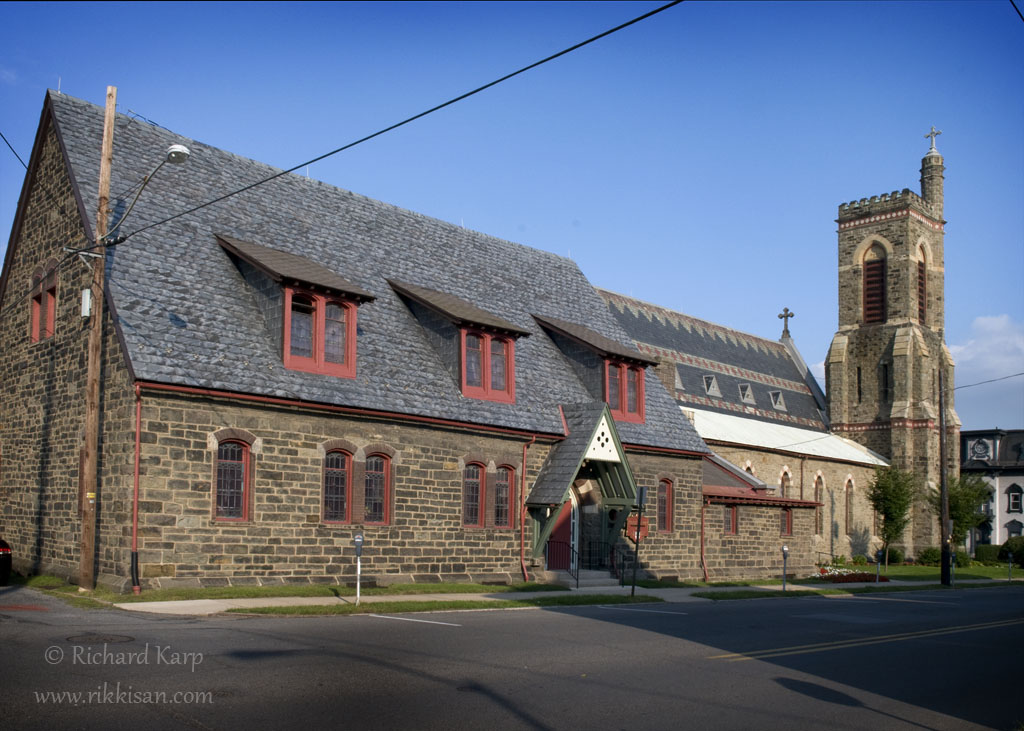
pixel 189 318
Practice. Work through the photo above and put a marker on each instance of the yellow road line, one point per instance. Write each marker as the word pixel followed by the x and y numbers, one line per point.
pixel 861 642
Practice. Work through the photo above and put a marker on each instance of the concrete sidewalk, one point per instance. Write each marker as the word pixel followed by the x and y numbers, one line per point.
pixel 206 607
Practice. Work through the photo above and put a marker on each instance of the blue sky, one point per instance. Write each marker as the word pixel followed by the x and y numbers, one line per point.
pixel 695 160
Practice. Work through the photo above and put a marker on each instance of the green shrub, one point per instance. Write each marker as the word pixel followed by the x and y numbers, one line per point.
pixel 963 559
pixel 895 556
pixel 931 556
pixel 1016 545
pixel 986 553
pixel 839 560
pixel 859 560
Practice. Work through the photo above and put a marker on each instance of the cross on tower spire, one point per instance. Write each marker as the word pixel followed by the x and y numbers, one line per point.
pixel 786 314
pixel 933 134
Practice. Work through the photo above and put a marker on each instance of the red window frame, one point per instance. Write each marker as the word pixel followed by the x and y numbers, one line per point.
pixel 504 482
pixel 732 520
pixel 474 495
pixel 317 361
pixel 874 291
pixel 848 508
pixel 241 470
pixel 819 488
pixel 333 474
pixel 382 477
pixel 786 527
pixel 665 506
pixel 487 366
pixel 624 390
pixel 922 292
pixel 44 306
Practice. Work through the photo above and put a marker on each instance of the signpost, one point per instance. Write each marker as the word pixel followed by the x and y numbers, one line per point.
pixel 358 540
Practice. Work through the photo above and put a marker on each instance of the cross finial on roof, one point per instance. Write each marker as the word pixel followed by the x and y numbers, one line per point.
pixel 786 314
pixel 933 134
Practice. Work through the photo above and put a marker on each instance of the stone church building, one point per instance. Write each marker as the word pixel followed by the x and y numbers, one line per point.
pixel 298 364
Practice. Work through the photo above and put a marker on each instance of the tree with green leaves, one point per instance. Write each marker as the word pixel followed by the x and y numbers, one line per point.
pixel 891 493
pixel 967 493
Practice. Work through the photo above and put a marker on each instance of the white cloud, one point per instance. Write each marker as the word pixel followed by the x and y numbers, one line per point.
pixel 7 76
pixel 994 350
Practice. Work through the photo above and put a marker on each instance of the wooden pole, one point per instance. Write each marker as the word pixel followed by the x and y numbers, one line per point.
pixel 87 566
pixel 946 556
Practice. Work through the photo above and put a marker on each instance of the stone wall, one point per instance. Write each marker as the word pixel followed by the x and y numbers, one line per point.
pixel 836 537
pixel 755 549
pixel 42 404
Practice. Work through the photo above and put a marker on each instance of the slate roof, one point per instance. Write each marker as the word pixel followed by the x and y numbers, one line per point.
pixel 698 348
pixel 188 317
pixel 563 461
pixel 598 342
pixel 454 308
pixel 282 266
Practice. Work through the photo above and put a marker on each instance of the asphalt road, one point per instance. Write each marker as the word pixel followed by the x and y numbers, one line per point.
pixel 925 660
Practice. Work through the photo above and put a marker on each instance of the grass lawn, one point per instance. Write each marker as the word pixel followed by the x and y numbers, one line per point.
pixel 570 600
pixel 879 589
pixel 933 573
pixel 100 597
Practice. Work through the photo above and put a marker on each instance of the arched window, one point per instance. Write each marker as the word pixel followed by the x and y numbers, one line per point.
pixel 1014 494
pixel 233 481
pixel 786 522
pixel 874 284
pixel 474 478
pixel 664 506
pixel 376 489
pixel 785 484
pixel 849 507
pixel 1013 529
pixel 819 493
pixel 337 487
pixel 44 302
pixel 504 489
pixel 922 287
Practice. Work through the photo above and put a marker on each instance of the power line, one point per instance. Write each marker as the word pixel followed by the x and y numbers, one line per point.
pixel 14 151
pixel 991 380
pixel 410 119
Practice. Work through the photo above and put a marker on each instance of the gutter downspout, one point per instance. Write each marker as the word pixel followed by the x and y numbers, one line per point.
pixel 522 512
pixel 703 560
pixel 136 588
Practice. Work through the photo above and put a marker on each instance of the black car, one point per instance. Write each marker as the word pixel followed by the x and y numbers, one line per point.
pixel 5 562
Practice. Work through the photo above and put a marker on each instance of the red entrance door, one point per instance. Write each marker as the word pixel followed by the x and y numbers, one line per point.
pixel 564 537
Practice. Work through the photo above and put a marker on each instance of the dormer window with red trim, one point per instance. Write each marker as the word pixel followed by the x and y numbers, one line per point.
pixel 319 333
pixel 487 366
pixel 318 314
pixel 624 390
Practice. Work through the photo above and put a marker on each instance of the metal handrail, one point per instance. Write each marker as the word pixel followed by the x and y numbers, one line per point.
pixel 563 550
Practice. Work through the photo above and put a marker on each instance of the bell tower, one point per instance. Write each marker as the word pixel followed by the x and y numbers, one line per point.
pixel 882 369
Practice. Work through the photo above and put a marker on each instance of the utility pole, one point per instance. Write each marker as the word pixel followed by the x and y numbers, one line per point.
pixel 90 461
pixel 944 527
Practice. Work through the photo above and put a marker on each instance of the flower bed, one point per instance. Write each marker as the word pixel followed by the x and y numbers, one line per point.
pixel 846 576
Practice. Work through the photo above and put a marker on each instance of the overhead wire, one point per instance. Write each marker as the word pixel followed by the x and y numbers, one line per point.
pixel 413 118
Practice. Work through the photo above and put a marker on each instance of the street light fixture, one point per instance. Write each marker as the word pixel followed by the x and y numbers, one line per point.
pixel 176 155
